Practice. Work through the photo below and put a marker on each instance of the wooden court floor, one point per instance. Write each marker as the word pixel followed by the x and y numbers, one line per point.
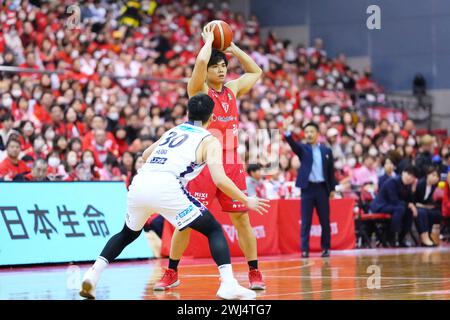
pixel 417 273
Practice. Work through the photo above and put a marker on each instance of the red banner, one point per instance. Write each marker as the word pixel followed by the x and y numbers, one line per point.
pixel 278 231
pixel 341 223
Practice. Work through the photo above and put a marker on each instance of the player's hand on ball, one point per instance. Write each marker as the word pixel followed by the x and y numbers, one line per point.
pixel 208 33
pixel 231 48
pixel 258 205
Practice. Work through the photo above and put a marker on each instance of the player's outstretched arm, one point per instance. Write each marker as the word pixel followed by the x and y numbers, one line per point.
pixel 196 83
pixel 253 72
pixel 213 150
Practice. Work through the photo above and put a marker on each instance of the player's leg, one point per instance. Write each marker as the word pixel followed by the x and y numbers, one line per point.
pixel 239 216
pixel 247 240
pixel 207 225
pixel 178 244
pixel 203 190
pixel 130 232
pixel 248 244
pixel 137 214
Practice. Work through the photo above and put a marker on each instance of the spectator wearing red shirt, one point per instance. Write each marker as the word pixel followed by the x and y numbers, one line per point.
pixel 12 166
pixel 74 127
pixel 57 118
pixel 30 63
pixel 102 146
pixel 98 122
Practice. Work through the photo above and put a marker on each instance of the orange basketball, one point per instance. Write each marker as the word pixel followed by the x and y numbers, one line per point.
pixel 222 35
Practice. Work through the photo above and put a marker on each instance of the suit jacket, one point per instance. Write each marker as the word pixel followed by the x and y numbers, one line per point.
pixel 304 152
pixel 419 195
pixel 392 193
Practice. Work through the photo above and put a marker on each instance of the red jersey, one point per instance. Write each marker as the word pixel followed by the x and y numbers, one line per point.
pixel 7 168
pixel 225 122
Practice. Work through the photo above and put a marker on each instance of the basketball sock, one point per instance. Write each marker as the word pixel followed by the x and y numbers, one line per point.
pixel 253 264
pixel 173 264
pixel 226 273
pixel 97 268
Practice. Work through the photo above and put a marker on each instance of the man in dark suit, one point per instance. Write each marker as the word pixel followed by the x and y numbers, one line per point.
pixel 396 198
pixel 316 179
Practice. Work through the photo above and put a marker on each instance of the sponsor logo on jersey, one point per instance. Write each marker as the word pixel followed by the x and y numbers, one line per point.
pixel 225 119
pixel 225 106
pixel 184 212
pixel 158 160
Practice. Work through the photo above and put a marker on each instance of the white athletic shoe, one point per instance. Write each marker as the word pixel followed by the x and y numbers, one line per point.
pixel 88 286
pixel 231 290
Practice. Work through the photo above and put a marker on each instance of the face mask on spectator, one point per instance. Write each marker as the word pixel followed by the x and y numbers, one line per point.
pixel 22 15
pixel 89 161
pixel 37 95
pixel 38 144
pixel 49 135
pixel 177 48
pixel 373 152
pixel 351 162
pixel 98 108
pixel 16 93
pixel 7 102
pixel 60 34
pixel 338 164
pixel 114 116
pixel 72 161
pixel 89 100
pixel 74 54
pixel 316 110
pixel 411 141
pixel 54 162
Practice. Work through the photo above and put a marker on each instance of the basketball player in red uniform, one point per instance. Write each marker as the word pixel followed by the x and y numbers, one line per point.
pixel 208 77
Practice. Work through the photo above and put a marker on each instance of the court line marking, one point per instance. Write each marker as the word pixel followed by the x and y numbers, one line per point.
pixel 349 289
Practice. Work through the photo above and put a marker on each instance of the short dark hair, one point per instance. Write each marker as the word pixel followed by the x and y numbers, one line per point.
pixel 253 167
pixel 412 170
pixel 6 117
pixel 432 169
pixel 13 138
pixel 311 124
pixel 216 56
pixel 200 107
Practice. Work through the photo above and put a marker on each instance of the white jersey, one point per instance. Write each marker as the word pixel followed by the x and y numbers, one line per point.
pixel 177 152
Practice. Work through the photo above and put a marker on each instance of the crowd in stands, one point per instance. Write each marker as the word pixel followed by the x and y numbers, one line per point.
pixel 103 101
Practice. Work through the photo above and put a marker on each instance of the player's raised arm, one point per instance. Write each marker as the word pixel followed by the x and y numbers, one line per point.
pixel 213 155
pixel 196 83
pixel 253 72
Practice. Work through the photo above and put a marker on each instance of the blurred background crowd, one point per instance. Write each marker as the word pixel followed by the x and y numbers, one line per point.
pixel 115 81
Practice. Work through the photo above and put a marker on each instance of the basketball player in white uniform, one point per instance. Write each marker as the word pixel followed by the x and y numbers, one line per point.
pixel 159 187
